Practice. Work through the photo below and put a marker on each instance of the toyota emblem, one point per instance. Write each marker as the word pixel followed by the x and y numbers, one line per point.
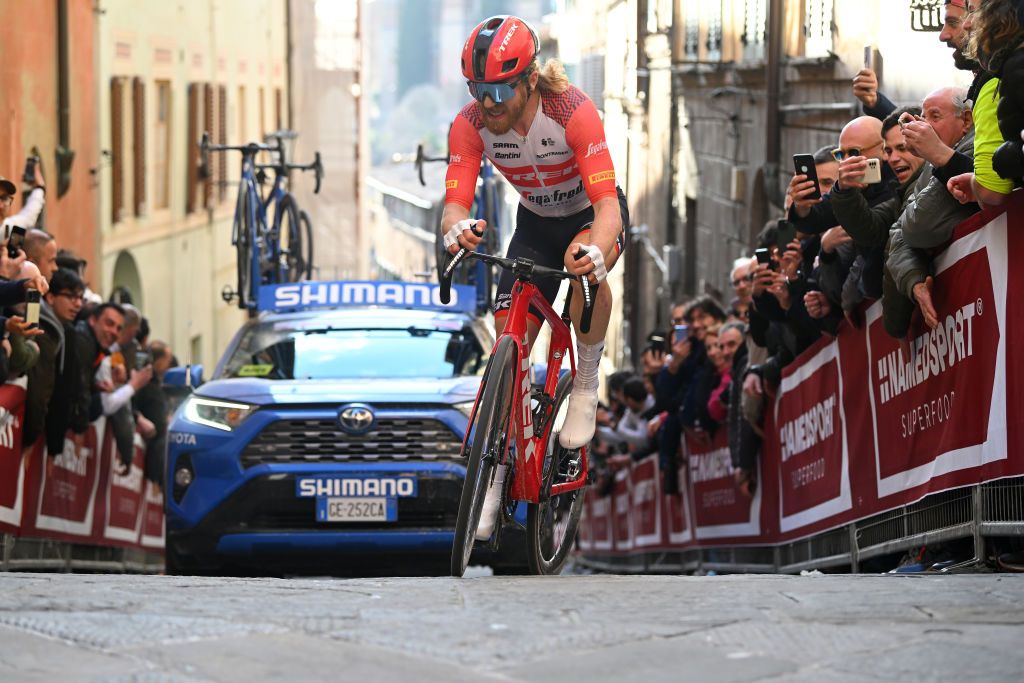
pixel 355 419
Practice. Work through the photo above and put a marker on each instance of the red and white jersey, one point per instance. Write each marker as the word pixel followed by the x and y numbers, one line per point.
pixel 561 167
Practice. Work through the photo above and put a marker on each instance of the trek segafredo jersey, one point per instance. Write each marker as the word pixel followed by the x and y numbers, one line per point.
pixel 561 167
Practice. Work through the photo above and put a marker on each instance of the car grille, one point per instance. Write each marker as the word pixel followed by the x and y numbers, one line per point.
pixel 303 441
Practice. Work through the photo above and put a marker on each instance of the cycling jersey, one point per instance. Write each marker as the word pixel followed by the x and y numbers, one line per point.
pixel 561 167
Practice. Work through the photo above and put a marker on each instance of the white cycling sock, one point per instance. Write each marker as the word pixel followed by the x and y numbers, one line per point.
pixel 588 360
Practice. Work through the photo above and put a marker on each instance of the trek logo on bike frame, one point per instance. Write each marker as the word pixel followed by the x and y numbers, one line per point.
pixel 311 295
pixel 527 416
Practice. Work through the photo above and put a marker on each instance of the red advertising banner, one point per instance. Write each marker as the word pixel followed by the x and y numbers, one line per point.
pixel 862 424
pixel 720 508
pixel 809 437
pixel 12 459
pixel 121 506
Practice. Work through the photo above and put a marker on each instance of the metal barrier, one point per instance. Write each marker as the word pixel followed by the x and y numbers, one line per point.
pixel 992 509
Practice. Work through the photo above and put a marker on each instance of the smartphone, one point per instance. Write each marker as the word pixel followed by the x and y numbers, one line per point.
pixel 762 256
pixel 656 342
pixel 32 308
pixel 15 241
pixel 680 332
pixel 874 173
pixel 804 165
pixel 142 359
pixel 785 233
pixel 869 57
pixel 29 176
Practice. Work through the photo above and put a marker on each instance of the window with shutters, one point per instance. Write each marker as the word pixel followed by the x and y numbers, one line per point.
pixel 713 22
pixel 222 139
pixel 139 146
pixel 207 180
pixel 278 111
pixel 162 146
pixel 818 28
pixel 243 124
pixel 117 165
pixel 195 91
pixel 755 18
pixel 263 113
pixel 691 30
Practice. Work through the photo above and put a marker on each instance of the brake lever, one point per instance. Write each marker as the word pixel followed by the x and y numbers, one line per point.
pixel 589 296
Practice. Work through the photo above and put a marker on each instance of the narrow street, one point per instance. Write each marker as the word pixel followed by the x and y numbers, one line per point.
pixel 572 628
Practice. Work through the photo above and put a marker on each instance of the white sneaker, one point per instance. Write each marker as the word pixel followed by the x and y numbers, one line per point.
pixel 580 420
pixel 492 502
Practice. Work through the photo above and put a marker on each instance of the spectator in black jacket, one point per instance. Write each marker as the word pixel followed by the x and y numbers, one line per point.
pixel 152 403
pixel 49 411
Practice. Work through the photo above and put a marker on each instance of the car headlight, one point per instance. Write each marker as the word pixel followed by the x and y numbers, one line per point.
pixel 223 415
pixel 465 408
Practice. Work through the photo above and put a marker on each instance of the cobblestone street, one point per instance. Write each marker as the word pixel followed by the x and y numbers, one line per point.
pixel 587 628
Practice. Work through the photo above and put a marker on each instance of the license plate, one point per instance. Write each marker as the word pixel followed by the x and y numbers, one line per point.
pixel 356 509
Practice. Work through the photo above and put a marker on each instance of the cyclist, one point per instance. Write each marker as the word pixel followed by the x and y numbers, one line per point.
pixel 545 136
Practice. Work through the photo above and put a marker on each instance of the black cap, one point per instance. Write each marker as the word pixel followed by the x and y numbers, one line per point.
pixel 9 187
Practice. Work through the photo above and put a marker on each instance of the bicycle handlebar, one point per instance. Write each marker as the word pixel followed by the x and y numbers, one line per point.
pixel 525 269
pixel 422 158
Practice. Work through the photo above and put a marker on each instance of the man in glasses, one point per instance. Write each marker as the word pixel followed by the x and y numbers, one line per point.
pixel 545 136
pixel 47 411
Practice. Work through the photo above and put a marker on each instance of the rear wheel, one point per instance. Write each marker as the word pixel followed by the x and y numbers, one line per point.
pixel 290 264
pixel 243 246
pixel 486 444
pixel 307 246
pixel 551 524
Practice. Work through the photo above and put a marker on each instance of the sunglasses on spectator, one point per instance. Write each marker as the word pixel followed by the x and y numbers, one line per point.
pixel 498 92
pixel 839 153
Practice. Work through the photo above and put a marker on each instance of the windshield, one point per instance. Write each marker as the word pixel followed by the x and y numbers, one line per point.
pixel 286 351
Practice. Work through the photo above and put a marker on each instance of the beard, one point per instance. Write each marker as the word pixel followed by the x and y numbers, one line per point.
pixel 964 63
pixel 507 113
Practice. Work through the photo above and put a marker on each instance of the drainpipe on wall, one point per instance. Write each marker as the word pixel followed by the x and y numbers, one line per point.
pixel 773 116
pixel 64 154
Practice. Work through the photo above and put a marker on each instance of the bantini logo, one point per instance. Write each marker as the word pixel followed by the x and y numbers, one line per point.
pixel 355 419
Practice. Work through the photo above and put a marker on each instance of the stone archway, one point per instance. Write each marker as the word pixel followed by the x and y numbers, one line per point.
pixel 127 280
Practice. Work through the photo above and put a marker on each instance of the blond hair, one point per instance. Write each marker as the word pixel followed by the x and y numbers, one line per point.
pixel 553 80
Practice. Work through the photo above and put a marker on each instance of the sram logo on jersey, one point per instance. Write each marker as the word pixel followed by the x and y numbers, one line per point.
pixel 556 197
pixel 505 145
pixel 355 486
pixel 601 177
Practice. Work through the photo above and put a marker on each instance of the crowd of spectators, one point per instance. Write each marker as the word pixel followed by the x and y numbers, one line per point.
pixel 80 357
pixel 881 203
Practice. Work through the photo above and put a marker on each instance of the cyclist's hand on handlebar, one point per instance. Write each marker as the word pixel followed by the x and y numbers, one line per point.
pixel 466 234
pixel 581 259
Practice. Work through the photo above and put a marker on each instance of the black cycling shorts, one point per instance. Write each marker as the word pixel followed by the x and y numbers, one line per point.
pixel 544 240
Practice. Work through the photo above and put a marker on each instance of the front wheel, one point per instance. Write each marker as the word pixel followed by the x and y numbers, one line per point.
pixel 487 441
pixel 551 524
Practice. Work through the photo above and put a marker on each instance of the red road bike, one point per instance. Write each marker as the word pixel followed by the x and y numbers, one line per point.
pixel 516 423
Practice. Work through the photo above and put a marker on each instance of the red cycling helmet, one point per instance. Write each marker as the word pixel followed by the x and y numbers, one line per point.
pixel 498 50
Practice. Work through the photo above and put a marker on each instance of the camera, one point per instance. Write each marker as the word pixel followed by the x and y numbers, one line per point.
pixel 29 176
pixel 656 342
pixel 15 241
pixel 874 173
pixel 32 308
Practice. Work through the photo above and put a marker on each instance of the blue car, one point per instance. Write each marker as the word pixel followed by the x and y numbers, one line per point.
pixel 328 439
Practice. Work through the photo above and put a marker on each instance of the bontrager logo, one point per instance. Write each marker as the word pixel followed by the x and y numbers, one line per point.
pixel 808 430
pixel 932 354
